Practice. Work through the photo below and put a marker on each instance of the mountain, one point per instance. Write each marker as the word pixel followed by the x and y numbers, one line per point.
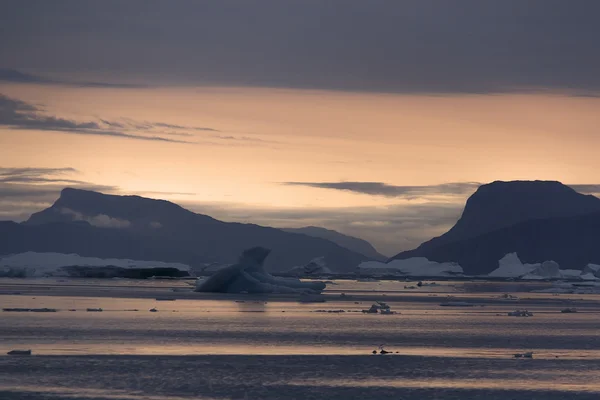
pixel 349 242
pixel 540 220
pixel 107 226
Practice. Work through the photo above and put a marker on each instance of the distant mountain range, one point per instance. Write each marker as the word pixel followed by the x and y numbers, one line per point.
pixel 540 220
pixel 349 242
pixel 107 226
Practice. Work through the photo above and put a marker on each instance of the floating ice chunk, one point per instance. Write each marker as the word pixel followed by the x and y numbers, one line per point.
pixel 457 304
pixel 520 313
pixel 588 277
pixel 19 353
pixel 510 266
pixel 568 310
pixel 592 269
pixel 571 273
pixel 248 275
pixel 548 269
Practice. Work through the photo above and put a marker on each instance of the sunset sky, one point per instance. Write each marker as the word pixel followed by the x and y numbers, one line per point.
pixel 374 118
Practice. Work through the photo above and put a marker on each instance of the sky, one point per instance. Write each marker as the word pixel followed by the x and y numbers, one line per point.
pixel 377 119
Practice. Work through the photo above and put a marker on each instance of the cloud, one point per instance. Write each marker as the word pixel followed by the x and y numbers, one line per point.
pixel 196 128
pixel 16 76
pixel 37 175
pixel 20 115
pixel 24 191
pixel 409 46
pixel 587 189
pixel 100 220
pixel 17 114
pixel 383 189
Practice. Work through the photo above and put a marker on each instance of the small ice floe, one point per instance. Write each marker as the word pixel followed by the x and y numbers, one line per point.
pixel 381 308
pixel 29 310
pixel 382 350
pixel 94 310
pixel 528 354
pixel 568 310
pixel 153 310
pixel 457 304
pixel 373 310
pixel 19 353
pixel 520 313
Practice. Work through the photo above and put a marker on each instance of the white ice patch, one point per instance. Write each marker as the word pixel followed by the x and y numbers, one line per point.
pixel 416 266
pixel 33 264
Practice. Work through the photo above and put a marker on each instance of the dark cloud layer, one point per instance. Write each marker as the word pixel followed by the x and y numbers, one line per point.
pixel 461 189
pixel 17 114
pixel 410 46
pixel 15 76
pixel 383 189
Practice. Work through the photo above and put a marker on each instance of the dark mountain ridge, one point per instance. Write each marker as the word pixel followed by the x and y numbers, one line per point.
pixel 540 220
pixel 99 225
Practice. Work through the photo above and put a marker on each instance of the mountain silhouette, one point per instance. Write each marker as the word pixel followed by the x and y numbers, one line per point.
pixel 100 225
pixel 541 220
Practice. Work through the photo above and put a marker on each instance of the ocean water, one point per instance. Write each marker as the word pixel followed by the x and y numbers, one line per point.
pixel 208 346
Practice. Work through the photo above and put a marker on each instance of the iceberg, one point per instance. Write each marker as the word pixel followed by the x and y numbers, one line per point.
pixel 546 270
pixel 592 269
pixel 416 266
pixel 249 275
pixel 32 264
pixel 510 266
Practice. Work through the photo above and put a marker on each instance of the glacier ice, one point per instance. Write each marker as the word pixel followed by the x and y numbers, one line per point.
pixel 416 266
pixel 248 275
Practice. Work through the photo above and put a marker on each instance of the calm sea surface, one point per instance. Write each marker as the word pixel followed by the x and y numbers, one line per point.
pixel 199 346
